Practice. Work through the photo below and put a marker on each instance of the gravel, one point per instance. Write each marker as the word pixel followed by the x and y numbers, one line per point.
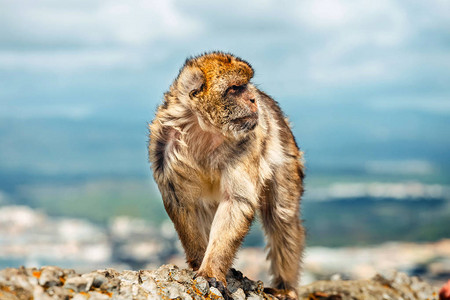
pixel 170 282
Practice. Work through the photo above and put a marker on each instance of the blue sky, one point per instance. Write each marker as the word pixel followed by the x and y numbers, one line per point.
pixel 114 59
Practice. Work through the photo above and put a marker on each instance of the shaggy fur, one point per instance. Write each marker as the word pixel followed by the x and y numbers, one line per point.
pixel 221 150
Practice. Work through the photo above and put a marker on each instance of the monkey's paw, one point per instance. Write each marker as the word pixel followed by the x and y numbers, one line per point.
pixel 282 294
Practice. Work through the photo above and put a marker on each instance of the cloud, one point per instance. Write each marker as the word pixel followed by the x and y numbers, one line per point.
pixel 92 22
pixel 383 16
pixel 73 112
pixel 52 36
pixel 67 60
pixel 439 105
pixel 320 44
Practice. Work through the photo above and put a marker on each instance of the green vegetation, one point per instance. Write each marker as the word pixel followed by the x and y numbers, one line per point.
pixel 357 221
pixel 98 201
pixel 339 222
pixel 363 221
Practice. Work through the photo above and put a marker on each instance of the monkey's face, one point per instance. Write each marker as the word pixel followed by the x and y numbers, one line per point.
pixel 230 106
pixel 240 108
pixel 224 97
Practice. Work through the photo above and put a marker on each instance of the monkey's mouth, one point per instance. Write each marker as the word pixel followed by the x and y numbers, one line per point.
pixel 248 122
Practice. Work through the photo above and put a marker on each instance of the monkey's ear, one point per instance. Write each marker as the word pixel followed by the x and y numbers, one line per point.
pixel 191 81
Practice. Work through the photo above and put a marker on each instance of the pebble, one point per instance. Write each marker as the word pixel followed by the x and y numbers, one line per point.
pixel 130 276
pixel 148 283
pixel 183 276
pixel 97 279
pixel 50 276
pixel 164 273
pixel 111 285
pixel 253 296
pixel 215 292
pixel 249 285
pixel 238 294
pixel 202 285
pixel 172 292
pixel 80 297
pixel 233 285
pixel 99 296
pixel 79 284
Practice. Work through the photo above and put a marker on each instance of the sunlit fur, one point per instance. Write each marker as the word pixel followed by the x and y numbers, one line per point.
pixel 219 157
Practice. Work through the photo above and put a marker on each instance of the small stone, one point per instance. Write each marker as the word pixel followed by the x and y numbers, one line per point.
pixel 173 289
pixel 164 273
pixel 259 287
pixel 233 284
pixel 126 289
pixel 109 273
pixel 186 296
pixel 145 274
pixel 39 293
pixel 22 281
pixel 147 281
pixel 111 285
pixel 79 284
pixel 172 292
pixel 138 292
pixel 133 291
pixel 130 276
pixel 97 278
pixel 69 273
pixel 249 285
pixel 4 275
pixel 215 292
pixel 50 276
pixel 183 276
pixel 11 292
pixel 99 296
pixel 254 296
pixel 80 297
pixel 58 292
pixel 202 285
pixel 28 271
pixel 238 294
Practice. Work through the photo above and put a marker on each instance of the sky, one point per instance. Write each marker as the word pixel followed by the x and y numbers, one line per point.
pixel 112 60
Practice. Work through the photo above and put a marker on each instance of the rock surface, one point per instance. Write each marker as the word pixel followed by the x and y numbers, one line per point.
pixel 170 282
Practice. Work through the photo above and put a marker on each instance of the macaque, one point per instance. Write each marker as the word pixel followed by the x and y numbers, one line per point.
pixel 222 151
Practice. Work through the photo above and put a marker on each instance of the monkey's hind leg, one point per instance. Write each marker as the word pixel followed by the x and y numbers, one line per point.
pixel 191 223
pixel 284 231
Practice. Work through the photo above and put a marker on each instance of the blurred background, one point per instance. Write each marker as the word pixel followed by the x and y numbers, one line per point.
pixel 364 83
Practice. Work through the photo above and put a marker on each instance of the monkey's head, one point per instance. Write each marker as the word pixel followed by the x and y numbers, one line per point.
pixel 216 86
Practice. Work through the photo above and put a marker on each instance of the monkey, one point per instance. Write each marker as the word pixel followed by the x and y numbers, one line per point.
pixel 222 151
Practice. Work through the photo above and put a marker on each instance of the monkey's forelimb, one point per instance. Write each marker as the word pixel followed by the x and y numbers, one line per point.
pixel 230 225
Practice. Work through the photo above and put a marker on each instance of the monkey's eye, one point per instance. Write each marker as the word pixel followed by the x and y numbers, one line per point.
pixel 235 89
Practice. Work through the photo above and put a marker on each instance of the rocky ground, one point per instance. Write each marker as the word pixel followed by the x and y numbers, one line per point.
pixel 170 282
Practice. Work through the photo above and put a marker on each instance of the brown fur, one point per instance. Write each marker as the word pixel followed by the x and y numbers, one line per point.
pixel 221 151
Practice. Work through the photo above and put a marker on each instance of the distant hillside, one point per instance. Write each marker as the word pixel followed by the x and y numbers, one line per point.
pixel 360 220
